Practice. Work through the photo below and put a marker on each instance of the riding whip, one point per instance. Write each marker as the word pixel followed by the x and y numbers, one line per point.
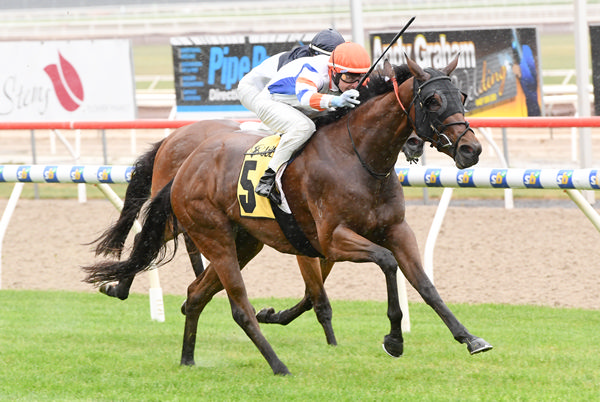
pixel 385 51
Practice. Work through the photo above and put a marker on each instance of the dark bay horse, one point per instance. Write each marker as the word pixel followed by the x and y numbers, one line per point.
pixel 155 168
pixel 344 194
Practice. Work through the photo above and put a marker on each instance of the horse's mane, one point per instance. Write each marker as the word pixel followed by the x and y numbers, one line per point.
pixel 378 84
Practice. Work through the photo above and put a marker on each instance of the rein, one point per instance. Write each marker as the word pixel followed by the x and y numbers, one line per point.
pixel 440 133
pixel 377 176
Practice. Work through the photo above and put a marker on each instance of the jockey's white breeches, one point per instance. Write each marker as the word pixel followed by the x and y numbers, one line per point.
pixel 247 92
pixel 296 128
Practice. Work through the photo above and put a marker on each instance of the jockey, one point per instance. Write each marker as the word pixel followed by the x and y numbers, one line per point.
pixel 300 91
pixel 256 79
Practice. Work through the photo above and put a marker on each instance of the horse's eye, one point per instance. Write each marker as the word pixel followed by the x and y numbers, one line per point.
pixel 432 104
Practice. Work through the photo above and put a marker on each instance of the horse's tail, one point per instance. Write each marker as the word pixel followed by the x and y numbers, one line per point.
pixel 112 241
pixel 149 246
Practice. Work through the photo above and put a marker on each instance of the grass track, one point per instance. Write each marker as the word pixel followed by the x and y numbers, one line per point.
pixel 84 346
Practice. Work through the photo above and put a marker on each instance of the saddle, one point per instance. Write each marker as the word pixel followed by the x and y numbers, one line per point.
pixel 256 160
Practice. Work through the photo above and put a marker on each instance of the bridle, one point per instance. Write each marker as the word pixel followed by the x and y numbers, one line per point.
pixel 430 128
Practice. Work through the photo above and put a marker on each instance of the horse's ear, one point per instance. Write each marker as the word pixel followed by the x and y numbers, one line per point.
pixel 415 69
pixel 450 67
pixel 388 70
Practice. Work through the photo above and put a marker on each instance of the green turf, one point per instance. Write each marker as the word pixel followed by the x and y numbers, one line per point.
pixel 85 346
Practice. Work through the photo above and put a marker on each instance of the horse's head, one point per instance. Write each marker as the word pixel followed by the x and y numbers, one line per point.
pixel 439 114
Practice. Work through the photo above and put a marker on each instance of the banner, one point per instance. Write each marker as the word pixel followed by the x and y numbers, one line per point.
pixel 83 80
pixel 595 45
pixel 207 69
pixel 499 69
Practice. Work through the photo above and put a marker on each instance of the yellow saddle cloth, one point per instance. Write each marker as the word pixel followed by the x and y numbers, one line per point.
pixel 256 161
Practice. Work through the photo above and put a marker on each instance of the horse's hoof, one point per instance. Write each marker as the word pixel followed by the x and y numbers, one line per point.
pixel 264 314
pixel 105 289
pixel 108 289
pixel 187 362
pixel 478 345
pixel 111 290
pixel 393 347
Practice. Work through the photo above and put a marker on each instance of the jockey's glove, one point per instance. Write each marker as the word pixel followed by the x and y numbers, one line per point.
pixel 347 99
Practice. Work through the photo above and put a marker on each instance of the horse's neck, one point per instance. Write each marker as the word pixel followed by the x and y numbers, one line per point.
pixel 379 131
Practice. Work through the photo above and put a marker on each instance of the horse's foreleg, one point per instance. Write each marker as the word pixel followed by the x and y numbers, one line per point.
pixel 314 275
pixel 404 245
pixel 284 317
pixel 314 272
pixel 348 245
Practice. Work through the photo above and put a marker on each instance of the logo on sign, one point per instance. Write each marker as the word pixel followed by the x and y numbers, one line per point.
pixel 128 173
pixel 432 178
pixel 2 174
pixel 464 178
pixel 66 82
pixel 564 179
pixel 103 175
pixel 498 178
pixel 403 177
pixel 531 179
pixel 594 179
pixel 23 174
pixel 77 174
pixel 50 174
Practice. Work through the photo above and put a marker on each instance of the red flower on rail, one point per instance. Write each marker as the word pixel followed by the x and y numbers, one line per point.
pixel 66 82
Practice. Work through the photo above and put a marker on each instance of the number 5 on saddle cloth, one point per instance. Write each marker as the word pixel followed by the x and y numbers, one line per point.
pixel 256 161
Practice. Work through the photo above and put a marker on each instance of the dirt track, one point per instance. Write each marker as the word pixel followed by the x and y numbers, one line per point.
pixel 542 256
pixel 547 256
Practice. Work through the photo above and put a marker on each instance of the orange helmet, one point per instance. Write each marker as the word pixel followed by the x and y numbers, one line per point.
pixel 349 57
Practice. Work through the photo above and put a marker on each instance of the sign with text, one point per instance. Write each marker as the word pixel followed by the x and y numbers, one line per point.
pixel 498 69
pixel 207 69
pixel 67 81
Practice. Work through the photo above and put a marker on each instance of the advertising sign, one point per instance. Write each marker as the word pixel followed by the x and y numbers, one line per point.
pixel 499 69
pixel 595 45
pixel 207 69
pixel 83 80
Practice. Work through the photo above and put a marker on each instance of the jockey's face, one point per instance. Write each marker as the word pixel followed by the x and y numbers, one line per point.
pixel 349 81
pixel 344 86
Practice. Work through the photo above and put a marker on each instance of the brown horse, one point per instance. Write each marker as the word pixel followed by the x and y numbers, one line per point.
pixel 350 159
pixel 155 168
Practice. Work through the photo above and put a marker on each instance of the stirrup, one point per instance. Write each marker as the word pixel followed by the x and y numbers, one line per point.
pixel 266 187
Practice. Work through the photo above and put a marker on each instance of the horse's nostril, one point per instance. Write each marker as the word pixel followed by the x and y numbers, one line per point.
pixel 468 150
pixel 414 142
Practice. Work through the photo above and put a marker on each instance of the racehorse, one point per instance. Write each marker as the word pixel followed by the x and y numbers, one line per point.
pixel 353 159
pixel 155 168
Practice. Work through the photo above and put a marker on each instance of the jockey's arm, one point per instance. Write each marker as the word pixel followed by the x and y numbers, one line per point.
pixel 308 87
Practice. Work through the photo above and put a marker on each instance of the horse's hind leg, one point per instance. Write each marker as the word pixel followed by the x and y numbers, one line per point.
pixel 194 254
pixel 314 273
pixel 200 292
pixel 404 246
pixel 120 289
pixel 222 253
